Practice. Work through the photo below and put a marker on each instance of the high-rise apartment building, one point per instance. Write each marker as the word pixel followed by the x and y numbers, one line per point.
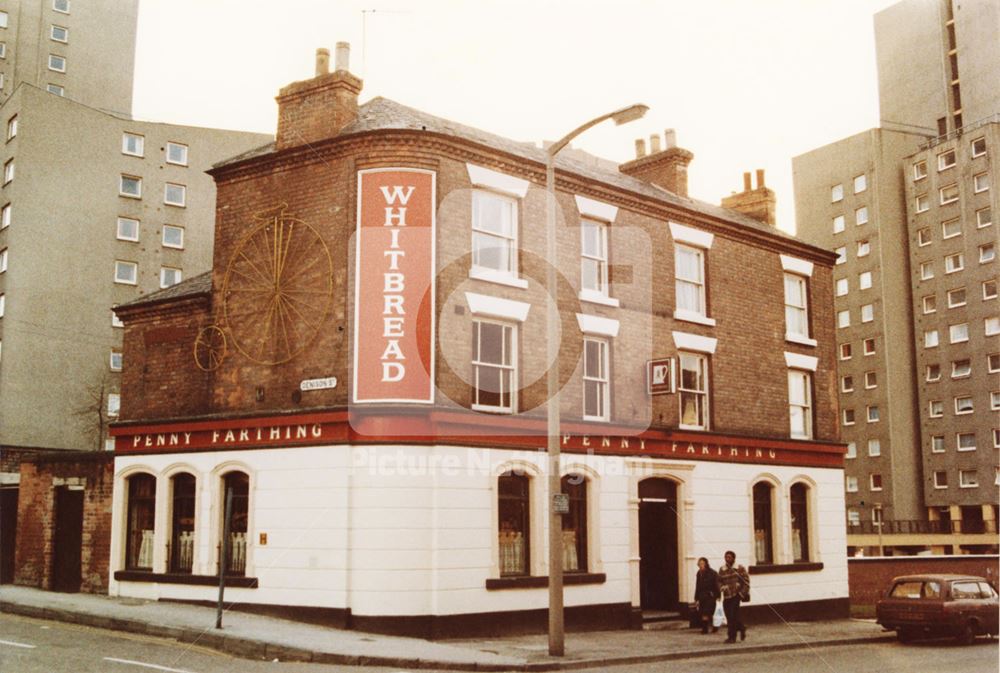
pixel 909 209
pixel 81 49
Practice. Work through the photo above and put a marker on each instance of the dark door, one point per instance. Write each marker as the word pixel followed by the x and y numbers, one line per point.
pixel 8 533
pixel 658 544
pixel 67 543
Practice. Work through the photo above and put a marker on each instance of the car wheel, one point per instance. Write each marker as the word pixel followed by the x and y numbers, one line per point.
pixel 967 635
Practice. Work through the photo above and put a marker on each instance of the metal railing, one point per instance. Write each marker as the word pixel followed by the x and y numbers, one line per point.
pixel 957 133
pixel 920 527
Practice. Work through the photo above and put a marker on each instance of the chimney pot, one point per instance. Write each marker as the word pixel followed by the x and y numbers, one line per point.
pixel 760 178
pixel 342 61
pixel 322 61
pixel 747 185
pixel 654 144
pixel 640 148
pixel 670 136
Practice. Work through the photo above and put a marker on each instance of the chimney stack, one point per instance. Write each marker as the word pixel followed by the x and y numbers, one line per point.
pixel 665 167
pixel 319 108
pixel 757 202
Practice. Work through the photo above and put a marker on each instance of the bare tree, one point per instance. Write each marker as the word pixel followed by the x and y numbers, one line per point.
pixel 92 413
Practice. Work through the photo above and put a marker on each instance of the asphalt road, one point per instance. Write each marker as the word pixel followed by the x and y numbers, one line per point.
pixel 35 646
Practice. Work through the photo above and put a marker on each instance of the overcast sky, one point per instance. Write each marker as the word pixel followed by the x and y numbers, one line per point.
pixel 746 83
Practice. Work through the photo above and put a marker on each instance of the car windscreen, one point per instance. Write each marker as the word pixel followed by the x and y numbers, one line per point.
pixel 906 590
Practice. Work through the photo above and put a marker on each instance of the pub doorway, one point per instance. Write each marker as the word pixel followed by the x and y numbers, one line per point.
pixel 8 533
pixel 658 521
pixel 67 542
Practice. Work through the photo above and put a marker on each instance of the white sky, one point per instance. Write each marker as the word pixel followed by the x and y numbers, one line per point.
pixel 746 83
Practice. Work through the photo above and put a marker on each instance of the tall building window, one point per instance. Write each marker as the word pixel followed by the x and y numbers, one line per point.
pixel 963 405
pixel 940 479
pixel 845 351
pixel 978 147
pixel 838 224
pixel 174 194
pixel 980 182
pixel 57 63
pixel 133 144
pixel 984 217
pixel 3 260
pixel 693 391
pixel 987 253
pixel 574 524
pixel 864 248
pixel 841 287
pixel 690 282
pixel 841 255
pixel 182 529
pixel 931 338
pixel 595 380
pixel 114 404
pixel 836 193
pixel 798 496
pixel 920 170
pixel 860 183
pixel 140 523
pixel 967 479
pixel 55 89
pixel 594 256
pixel 865 280
pixel 177 153
pixel 956 297
pixel 763 532
pixel 494 366
pixel 115 361
pixel 958 333
pixel 871 380
pixel 951 228
pixel 173 237
pixel 796 306
pixel 932 373
pixel 926 270
pixel 126 272
pixel 61 6
pixel 800 403
pixel 867 313
pixel 5 214
pixel 924 236
pixel 494 234
pixel 513 517
pixel 948 194
pixel 3 19
pixel 989 289
pixel 169 276
pixel 238 483
pixel 59 33
pixel 861 215
pixel 869 346
pixel 852 450
pixel 130 186
pixel 8 171
pixel 946 160
pixel 874 447
pixel 937 444
pixel 953 263
pixel 935 408
pixel 923 203
pixel 128 229
pixel 961 368
pixel 12 128
pixel 851 484
pixel 875 482
pixel 930 303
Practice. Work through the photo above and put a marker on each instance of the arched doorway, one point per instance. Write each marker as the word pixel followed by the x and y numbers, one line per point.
pixel 658 518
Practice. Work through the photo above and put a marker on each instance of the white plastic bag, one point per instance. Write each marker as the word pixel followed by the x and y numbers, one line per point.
pixel 719 618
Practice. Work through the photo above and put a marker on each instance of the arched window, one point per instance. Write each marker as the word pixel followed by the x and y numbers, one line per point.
pixel 237 483
pixel 182 523
pixel 139 534
pixel 574 524
pixel 798 497
pixel 513 516
pixel 763 529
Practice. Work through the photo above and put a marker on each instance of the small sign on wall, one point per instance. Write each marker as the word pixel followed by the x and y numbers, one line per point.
pixel 660 376
pixel 318 384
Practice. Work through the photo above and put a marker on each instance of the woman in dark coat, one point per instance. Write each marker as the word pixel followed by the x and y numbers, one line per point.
pixel 706 593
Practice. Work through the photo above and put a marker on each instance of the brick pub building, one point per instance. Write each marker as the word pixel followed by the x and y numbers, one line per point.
pixel 364 369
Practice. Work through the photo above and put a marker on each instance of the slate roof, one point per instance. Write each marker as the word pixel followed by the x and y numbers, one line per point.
pixel 196 285
pixel 382 114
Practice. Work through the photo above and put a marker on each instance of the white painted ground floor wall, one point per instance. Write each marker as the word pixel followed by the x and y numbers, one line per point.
pixel 411 530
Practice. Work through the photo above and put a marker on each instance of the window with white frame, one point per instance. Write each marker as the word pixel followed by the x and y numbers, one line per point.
pixel 853 517
pixel 3 260
pixel 991 326
pixel 995 401
pixel 861 215
pixel 877 509
pixel 923 203
pixel 968 479
pixel 924 236
pixel 169 276
pixel 873 414
pixel 494 366
pixel 56 89
pixel 989 289
pixel 689 269
pixel 868 346
pixel 875 482
pixel 953 263
pixel 865 280
pixel 864 247
pixel 115 320
pixel 871 380
pixel 115 362
pixel 177 153
pixel 59 33
pixel 514 520
pixel 874 447
pixel 126 273
pixel 930 303
pixel 174 194
pixel 963 405
pixel 763 522
pixel 935 408
pixel 946 160
pixel 852 450
pixel 836 193
pixel 61 6
pixel 978 147
pixel 958 333
pixel 948 194
pixel 848 416
pixel 172 236
pixel 951 228
pixel 961 368
pixel 494 233
pixel 796 305
pixel 987 253
pixel 800 403
pixel 993 363
pixel 847 384
pixel 693 391
pixel 956 297
pixel 984 217
pixel 980 182
pixel 860 183
pixel 926 270
pixel 798 506
pixel 3 303
pixel 937 444
pixel 3 19
pixel 57 63
pixel 932 373
pixel 595 380
pixel 130 186
pixel 128 229
pixel 838 224
pixel 845 351
pixel 867 313
pixel 8 171
pixel 841 287
pixel 133 144
pixel 114 404
pixel 844 318
pixel 12 127
pixel 594 256
pixel 940 479
pixel 841 255
pixel 919 170
pixel 5 214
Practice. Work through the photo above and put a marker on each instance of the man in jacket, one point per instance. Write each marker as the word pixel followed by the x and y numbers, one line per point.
pixel 734 586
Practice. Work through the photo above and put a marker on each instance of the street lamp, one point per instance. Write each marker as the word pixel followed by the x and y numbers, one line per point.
pixel 556 630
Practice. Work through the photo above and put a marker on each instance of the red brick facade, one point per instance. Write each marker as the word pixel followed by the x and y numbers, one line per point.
pixel 870 578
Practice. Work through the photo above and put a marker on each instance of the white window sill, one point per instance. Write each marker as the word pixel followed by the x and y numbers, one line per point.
pixel 799 339
pixel 492 410
pixel 596 419
pixel 805 437
pixel 700 428
pixel 491 276
pixel 691 316
pixel 595 297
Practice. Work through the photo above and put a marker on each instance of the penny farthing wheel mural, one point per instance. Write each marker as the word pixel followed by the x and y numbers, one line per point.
pixel 278 289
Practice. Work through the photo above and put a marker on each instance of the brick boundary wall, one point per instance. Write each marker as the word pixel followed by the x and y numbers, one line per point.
pixel 869 578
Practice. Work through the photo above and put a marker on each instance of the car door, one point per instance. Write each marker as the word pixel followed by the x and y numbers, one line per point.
pixel 990 609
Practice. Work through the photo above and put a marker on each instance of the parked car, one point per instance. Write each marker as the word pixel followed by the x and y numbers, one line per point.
pixel 963 606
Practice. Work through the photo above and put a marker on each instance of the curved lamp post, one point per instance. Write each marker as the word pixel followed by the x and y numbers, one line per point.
pixel 556 630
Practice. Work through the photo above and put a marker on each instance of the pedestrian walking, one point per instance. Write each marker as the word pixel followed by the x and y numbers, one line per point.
pixel 734 587
pixel 706 593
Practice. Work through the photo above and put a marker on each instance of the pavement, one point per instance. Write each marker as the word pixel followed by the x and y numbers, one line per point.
pixel 259 637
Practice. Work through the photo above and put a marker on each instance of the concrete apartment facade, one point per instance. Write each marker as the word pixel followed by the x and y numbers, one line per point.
pixel 81 49
pixel 922 469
